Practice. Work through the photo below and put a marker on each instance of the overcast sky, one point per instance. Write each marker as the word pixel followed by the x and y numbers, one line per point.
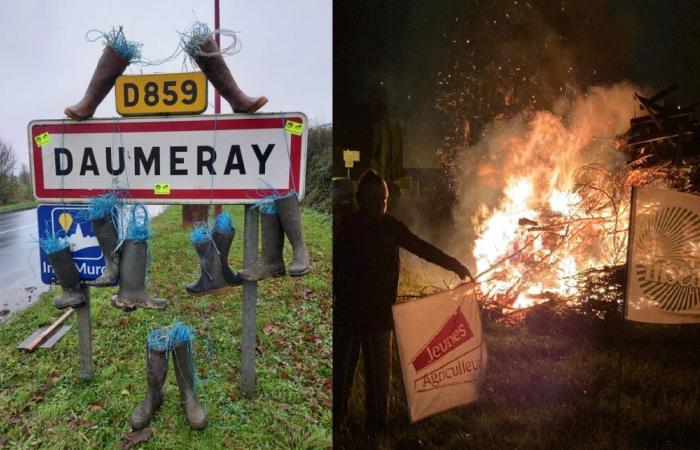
pixel 286 53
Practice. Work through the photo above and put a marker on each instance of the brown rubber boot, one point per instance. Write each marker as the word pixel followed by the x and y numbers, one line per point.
pixel 290 217
pixel 216 70
pixel 270 263
pixel 109 67
pixel 156 371
pixel 132 279
pixel 184 373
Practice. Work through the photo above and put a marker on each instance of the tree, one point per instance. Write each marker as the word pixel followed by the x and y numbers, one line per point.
pixel 25 177
pixel 7 169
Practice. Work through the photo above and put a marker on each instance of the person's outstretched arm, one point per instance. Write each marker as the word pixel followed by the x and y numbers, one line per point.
pixel 427 251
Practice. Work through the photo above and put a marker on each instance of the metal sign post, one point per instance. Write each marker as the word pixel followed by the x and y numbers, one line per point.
pixel 250 299
pixel 85 337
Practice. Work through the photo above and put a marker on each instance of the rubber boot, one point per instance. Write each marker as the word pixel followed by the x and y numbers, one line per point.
pixel 109 67
pixel 156 371
pixel 270 263
pixel 106 236
pixel 290 217
pixel 132 278
pixel 69 279
pixel 184 372
pixel 223 243
pixel 216 70
pixel 211 280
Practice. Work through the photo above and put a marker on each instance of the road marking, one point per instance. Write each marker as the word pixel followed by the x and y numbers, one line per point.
pixel 18 228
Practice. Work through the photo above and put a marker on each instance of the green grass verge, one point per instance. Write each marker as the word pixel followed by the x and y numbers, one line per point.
pixel 44 404
pixel 18 206
pixel 552 383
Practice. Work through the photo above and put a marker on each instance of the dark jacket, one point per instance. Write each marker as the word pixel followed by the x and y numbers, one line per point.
pixel 366 268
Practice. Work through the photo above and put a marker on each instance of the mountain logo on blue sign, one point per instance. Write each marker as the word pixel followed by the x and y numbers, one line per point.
pixel 63 221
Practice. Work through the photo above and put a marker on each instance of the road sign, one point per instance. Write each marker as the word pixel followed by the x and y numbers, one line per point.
pixel 238 158
pixel 161 94
pixel 63 221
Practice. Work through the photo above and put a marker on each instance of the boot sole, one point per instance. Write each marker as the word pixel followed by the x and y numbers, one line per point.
pixel 219 291
pixel 300 274
pixel 129 308
pixel 274 275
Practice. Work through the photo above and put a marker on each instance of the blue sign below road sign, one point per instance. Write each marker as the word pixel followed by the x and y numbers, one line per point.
pixel 65 221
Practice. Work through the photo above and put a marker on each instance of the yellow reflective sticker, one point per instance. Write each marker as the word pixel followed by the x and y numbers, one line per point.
pixel 162 189
pixel 294 127
pixel 43 139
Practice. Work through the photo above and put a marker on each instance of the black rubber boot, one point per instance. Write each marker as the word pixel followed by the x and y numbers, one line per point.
pixel 270 263
pixel 132 278
pixel 184 372
pixel 223 244
pixel 290 217
pixel 107 237
pixel 69 279
pixel 211 280
pixel 156 371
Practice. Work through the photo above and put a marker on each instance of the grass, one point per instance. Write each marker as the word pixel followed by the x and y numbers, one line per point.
pixel 44 404
pixel 551 382
pixel 18 206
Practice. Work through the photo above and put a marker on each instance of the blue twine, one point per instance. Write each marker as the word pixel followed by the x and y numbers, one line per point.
pixel 101 206
pixel 166 339
pixel 139 226
pixel 128 50
pixel 181 334
pixel 159 339
pixel 51 243
pixel 224 223
pixel 200 233
pixel 197 35
pixel 267 205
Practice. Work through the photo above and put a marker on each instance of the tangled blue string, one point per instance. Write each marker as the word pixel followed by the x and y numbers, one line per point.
pixel 166 339
pixel 223 223
pixel 267 205
pixel 198 33
pixel 101 206
pixel 192 39
pixel 181 334
pixel 200 233
pixel 139 226
pixel 129 50
pixel 159 339
pixel 51 243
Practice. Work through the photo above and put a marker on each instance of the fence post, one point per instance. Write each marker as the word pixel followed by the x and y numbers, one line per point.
pixel 250 298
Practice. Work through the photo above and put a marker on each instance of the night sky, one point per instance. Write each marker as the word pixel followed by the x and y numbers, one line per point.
pixel 450 61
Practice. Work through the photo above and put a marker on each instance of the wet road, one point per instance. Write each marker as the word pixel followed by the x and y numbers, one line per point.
pixel 20 278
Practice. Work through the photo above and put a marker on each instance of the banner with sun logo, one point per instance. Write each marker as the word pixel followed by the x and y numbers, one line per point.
pixel 663 276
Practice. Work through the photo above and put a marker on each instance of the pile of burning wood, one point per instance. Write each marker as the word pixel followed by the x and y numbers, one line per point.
pixel 556 253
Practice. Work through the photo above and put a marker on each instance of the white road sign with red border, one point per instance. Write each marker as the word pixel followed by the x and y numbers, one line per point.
pixel 237 158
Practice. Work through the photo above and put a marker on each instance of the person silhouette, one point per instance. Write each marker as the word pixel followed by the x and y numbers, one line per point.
pixel 365 283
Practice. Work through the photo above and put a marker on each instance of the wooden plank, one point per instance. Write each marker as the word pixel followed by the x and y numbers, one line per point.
pixel 49 330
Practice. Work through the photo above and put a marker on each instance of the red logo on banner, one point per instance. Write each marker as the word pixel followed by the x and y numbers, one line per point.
pixel 453 333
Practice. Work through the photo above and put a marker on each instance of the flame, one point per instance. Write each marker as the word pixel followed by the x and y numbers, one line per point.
pixel 553 220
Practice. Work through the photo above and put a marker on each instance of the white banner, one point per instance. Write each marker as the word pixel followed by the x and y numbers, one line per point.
pixel 663 267
pixel 442 353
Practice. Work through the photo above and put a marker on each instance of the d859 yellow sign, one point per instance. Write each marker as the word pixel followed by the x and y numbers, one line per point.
pixel 161 94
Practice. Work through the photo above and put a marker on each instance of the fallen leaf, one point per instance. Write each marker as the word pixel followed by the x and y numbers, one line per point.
pixel 131 440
